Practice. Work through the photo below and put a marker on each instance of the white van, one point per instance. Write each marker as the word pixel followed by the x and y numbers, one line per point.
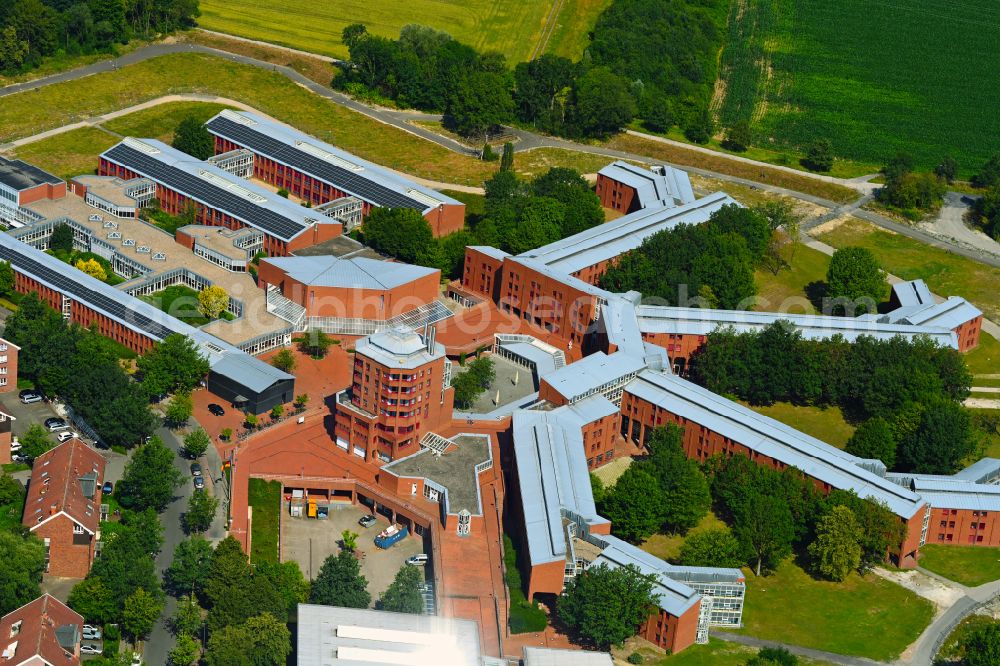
pixel 417 560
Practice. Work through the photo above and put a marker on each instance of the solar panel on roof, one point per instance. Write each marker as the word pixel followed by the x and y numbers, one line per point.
pixel 198 188
pixel 344 179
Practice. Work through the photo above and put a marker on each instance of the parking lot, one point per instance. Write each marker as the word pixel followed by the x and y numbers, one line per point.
pixel 309 541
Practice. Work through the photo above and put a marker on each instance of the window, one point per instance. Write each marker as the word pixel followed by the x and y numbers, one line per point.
pixel 15 628
pixel 77 529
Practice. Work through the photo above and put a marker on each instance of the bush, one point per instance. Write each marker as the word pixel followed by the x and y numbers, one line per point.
pixel 635 658
pixel 489 155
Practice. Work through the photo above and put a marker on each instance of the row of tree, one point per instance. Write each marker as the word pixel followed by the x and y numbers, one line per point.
pixel 31 30
pixel 705 265
pixel 913 385
pixel 85 369
pixel 616 80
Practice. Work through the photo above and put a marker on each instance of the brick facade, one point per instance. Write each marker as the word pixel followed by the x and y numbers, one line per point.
pixel 964 527
pixel 8 366
pixel 616 195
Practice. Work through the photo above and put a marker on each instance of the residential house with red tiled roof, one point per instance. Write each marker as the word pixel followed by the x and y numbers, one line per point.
pixel 63 506
pixel 43 632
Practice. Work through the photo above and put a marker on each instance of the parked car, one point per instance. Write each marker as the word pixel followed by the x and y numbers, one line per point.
pixel 91 633
pixel 107 488
pixel 216 409
pixel 91 649
pixel 55 424
pixel 28 398
pixel 18 458
pixel 199 483
pixel 136 659
pixel 417 560
pixel 15 445
pixel 367 521
pixel 195 469
pixel 66 435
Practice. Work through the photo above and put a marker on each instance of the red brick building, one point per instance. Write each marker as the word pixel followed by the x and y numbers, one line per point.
pixel 359 288
pixel 627 188
pixel 218 198
pixel 22 184
pixel 8 366
pixel 320 173
pixel 63 506
pixel 6 436
pixel 43 632
pixel 400 391
pixel 915 305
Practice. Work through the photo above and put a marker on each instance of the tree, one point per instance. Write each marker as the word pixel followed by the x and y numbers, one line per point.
pixel 340 583
pixel 188 618
pixel 150 478
pixel 738 137
pixel 602 104
pixel 480 104
pixel 277 411
pixel 635 505
pixel 582 208
pixel 196 443
pixel 982 646
pixel 403 594
pixel 349 540
pixel 61 239
pixel 402 233
pixel 284 360
pixel 179 410
pixel 12 50
pixel 874 439
pixel 93 268
pixel 507 157
pixel 175 363
pixel 947 169
pixel 819 157
pixel 940 442
pixel 6 279
pixel 711 548
pixel 603 606
pixel 989 174
pixel 11 489
pixel 301 401
pixel 24 562
pixel 186 651
pixel 92 599
pixel 200 512
pixel 854 279
pixel 288 582
pixel 315 343
pixel 190 568
pixel 213 301
pixel 684 489
pixel 779 656
pixel 35 441
pixel 140 613
pixel 352 34
pixel 229 577
pixel 699 126
pixel 262 640
pixel 765 529
pixel 126 561
pixel 193 138
pixel 836 552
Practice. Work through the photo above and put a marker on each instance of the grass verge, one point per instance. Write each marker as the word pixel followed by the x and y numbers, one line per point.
pixel 160 122
pixel 968 565
pixel 826 424
pixel 714 653
pixel 788 290
pixel 667 547
pixel 315 69
pixel 68 154
pixel 265 498
pixel 721 164
pixel 945 273
pixel 862 616
pixel 525 616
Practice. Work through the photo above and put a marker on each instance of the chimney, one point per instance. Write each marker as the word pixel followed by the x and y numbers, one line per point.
pixel 429 338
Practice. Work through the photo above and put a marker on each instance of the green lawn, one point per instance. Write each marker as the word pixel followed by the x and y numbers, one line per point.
pixel 10 514
pixel 179 301
pixel 873 78
pixel 863 616
pixel 787 291
pixel 512 27
pixel 715 653
pixel 947 274
pixel 160 121
pixel 570 35
pixel 984 360
pixel 265 498
pixel 826 424
pixel 968 565
pixel 68 154
pixel 668 546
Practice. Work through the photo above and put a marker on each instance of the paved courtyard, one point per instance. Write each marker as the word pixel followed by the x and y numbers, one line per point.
pixel 309 541
pixel 507 372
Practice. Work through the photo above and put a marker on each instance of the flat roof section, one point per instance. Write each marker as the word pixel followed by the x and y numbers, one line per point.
pixel 659 185
pixel 330 164
pixel 109 188
pixel 214 187
pixel 592 372
pixel 19 175
pixel 351 273
pixel 454 470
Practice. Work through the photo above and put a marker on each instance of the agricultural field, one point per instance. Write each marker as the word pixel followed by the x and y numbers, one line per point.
pixel 874 78
pixel 512 27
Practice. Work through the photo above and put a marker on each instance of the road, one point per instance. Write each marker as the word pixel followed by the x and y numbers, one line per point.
pixel 160 640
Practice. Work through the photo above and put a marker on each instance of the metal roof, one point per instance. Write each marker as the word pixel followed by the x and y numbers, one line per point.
pixel 611 239
pixel 19 175
pixel 593 372
pixel 772 438
pixel 671 595
pixel 660 185
pixel 489 251
pixel 332 165
pixel 619 322
pixel 536 656
pixel 398 347
pixel 950 314
pixel 552 475
pixel 352 273
pixel 214 187
pixel 136 314
pixel 702 321
pixel 335 636
pixel 912 292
